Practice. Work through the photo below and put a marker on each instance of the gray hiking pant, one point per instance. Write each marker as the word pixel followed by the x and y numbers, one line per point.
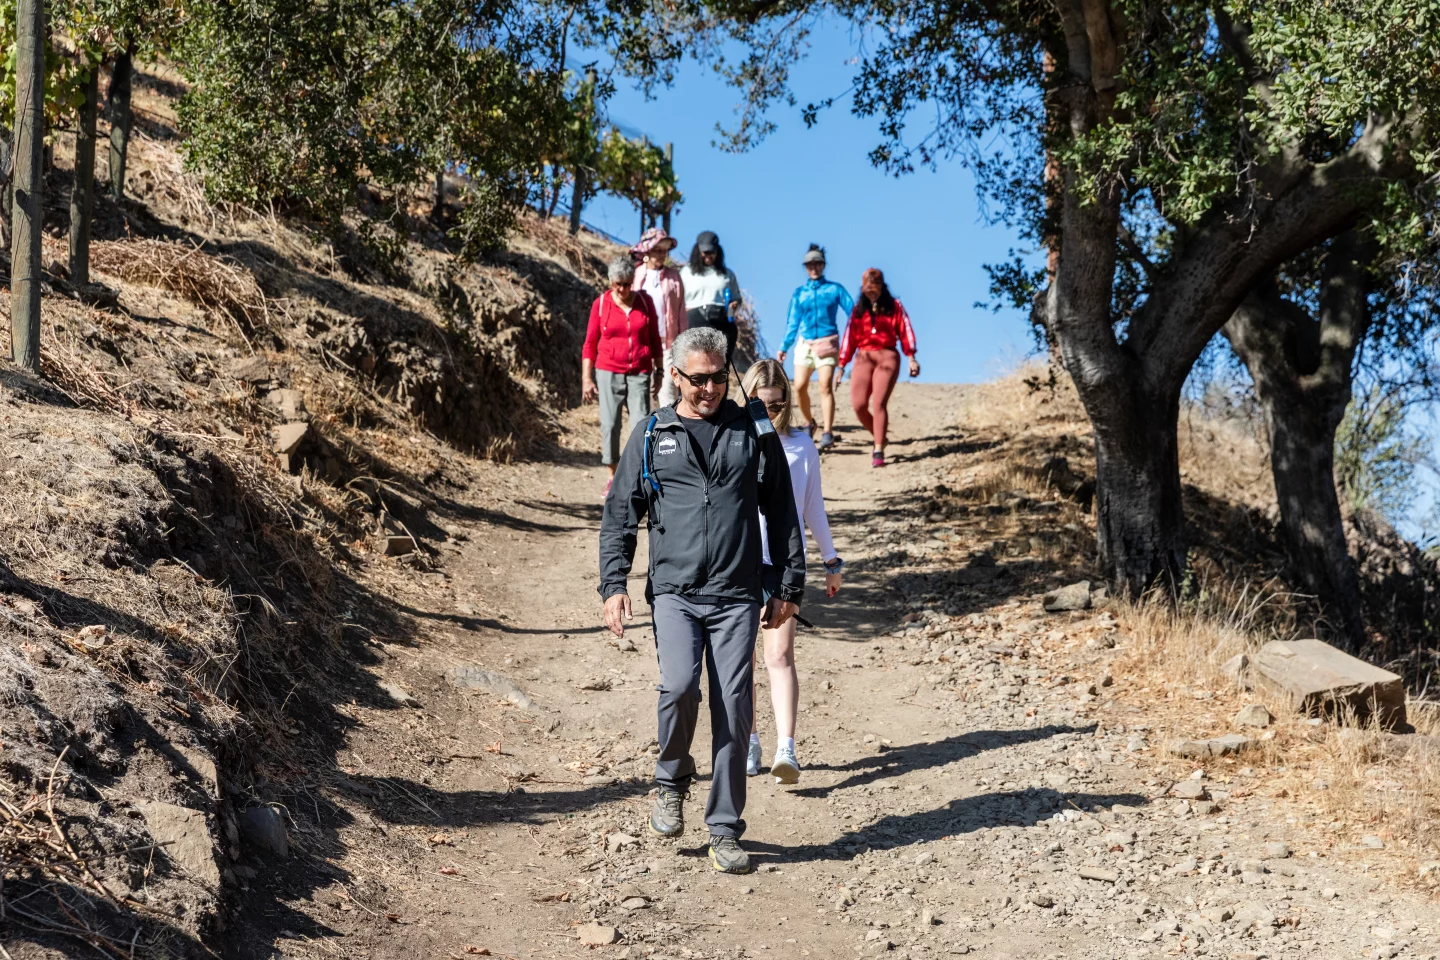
pixel 723 633
pixel 630 390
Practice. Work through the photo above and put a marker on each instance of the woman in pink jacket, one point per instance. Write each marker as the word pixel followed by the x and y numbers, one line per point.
pixel 662 282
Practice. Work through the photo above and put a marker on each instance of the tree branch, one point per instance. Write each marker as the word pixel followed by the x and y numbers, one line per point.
pixel 1231 252
pixel 1237 38
pixel 1137 252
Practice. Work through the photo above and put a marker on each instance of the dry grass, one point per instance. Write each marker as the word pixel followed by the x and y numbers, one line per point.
pixel 216 283
pixel 1340 781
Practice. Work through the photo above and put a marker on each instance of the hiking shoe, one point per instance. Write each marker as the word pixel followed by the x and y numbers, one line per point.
pixel 752 760
pixel 785 768
pixel 827 440
pixel 667 817
pixel 727 856
pixel 877 459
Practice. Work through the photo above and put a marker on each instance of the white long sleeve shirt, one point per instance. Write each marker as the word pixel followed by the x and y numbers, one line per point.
pixel 708 286
pixel 804 462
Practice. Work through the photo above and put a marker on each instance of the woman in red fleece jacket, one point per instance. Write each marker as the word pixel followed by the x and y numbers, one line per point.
pixel 878 324
pixel 621 357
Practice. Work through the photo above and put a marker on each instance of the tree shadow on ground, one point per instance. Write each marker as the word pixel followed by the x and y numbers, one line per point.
pixel 898 761
pixel 959 816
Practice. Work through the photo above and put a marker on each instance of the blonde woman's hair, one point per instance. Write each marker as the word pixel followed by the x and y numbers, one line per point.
pixel 769 373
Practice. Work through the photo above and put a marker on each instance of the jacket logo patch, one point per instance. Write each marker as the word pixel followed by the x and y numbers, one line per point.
pixel 666 445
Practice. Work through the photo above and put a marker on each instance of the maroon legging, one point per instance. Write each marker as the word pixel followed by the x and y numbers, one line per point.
pixel 870 384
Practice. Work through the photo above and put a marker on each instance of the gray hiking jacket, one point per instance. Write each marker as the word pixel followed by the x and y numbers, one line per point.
pixel 704 527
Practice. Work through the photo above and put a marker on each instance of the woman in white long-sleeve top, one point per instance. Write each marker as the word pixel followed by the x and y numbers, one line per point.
pixel 766 380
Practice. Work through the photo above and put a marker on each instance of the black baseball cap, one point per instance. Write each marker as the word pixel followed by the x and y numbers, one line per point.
pixel 707 242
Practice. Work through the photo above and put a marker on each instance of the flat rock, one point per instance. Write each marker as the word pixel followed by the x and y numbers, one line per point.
pixel 289 402
pixel 1254 715
pixel 399 694
pixel 1188 748
pixel 620 841
pixel 1253 915
pixel 1103 874
pixel 264 827
pixel 476 678
pixel 1229 744
pixel 185 839
pixel 1074 597
pixel 1189 790
pixel 1276 850
pixel 597 935
pixel 289 436
pixel 1237 670
pixel 254 369
pixel 399 546
pixel 1320 679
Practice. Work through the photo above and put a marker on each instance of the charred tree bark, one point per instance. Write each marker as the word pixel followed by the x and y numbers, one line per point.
pixel 82 193
pixel 1302 367
pixel 117 106
pixel 29 210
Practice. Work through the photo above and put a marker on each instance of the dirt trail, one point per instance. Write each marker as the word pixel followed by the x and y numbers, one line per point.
pixel 961 773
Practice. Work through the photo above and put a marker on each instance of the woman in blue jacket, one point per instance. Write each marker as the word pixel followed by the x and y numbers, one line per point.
pixel 813 329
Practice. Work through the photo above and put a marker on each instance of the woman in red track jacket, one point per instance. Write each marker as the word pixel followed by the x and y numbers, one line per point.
pixel 622 354
pixel 878 324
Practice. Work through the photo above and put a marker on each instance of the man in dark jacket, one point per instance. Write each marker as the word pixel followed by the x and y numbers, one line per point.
pixel 702 475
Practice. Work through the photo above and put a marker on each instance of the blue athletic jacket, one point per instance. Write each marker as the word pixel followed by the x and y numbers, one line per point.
pixel 818 308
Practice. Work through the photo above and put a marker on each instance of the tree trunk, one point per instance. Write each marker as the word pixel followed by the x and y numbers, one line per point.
pixel 29 209
pixel 7 187
pixel 1301 368
pixel 1139 517
pixel 82 194
pixel 577 198
pixel 438 210
pixel 557 178
pixel 117 105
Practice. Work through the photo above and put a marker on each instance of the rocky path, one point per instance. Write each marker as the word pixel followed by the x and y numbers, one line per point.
pixel 976 780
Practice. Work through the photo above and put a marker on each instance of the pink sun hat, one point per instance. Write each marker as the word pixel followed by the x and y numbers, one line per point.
pixel 652 238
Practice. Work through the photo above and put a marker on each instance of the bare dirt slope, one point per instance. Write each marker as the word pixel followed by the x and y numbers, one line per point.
pixel 979 776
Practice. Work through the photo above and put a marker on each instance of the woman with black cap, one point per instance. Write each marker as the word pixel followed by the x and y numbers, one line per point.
pixel 712 294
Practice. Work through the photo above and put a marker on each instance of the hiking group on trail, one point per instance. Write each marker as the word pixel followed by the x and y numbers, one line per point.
pixel 727 491
pixel 627 357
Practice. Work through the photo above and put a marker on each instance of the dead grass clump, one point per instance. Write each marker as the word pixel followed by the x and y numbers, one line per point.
pixel 214 282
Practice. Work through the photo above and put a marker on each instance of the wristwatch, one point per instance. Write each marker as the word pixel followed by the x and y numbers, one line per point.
pixel 834 566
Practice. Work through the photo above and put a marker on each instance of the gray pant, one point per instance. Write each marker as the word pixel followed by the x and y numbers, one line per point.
pixel 723 632
pixel 631 390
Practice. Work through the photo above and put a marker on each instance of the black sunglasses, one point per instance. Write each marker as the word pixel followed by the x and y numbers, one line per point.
pixel 775 407
pixel 719 377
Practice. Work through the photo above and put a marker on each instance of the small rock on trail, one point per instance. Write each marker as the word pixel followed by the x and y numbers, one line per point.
pixel 598 935
pixel 476 678
pixel 1074 597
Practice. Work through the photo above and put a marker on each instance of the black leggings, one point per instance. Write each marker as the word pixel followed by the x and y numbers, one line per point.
pixel 713 315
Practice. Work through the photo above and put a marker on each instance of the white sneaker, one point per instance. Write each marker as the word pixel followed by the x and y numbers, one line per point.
pixel 785 768
pixel 752 760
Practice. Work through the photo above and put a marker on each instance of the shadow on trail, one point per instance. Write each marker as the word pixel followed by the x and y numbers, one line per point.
pixel 398 800
pixel 898 761
pixel 1022 808
pixel 487 623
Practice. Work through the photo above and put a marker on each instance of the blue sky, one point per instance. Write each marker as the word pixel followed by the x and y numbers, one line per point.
pixel 802 186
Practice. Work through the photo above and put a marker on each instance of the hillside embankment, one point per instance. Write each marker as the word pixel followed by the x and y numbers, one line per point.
pixel 300 653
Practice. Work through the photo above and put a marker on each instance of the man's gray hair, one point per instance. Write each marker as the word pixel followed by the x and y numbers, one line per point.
pixel 621 268
pixel 705 340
